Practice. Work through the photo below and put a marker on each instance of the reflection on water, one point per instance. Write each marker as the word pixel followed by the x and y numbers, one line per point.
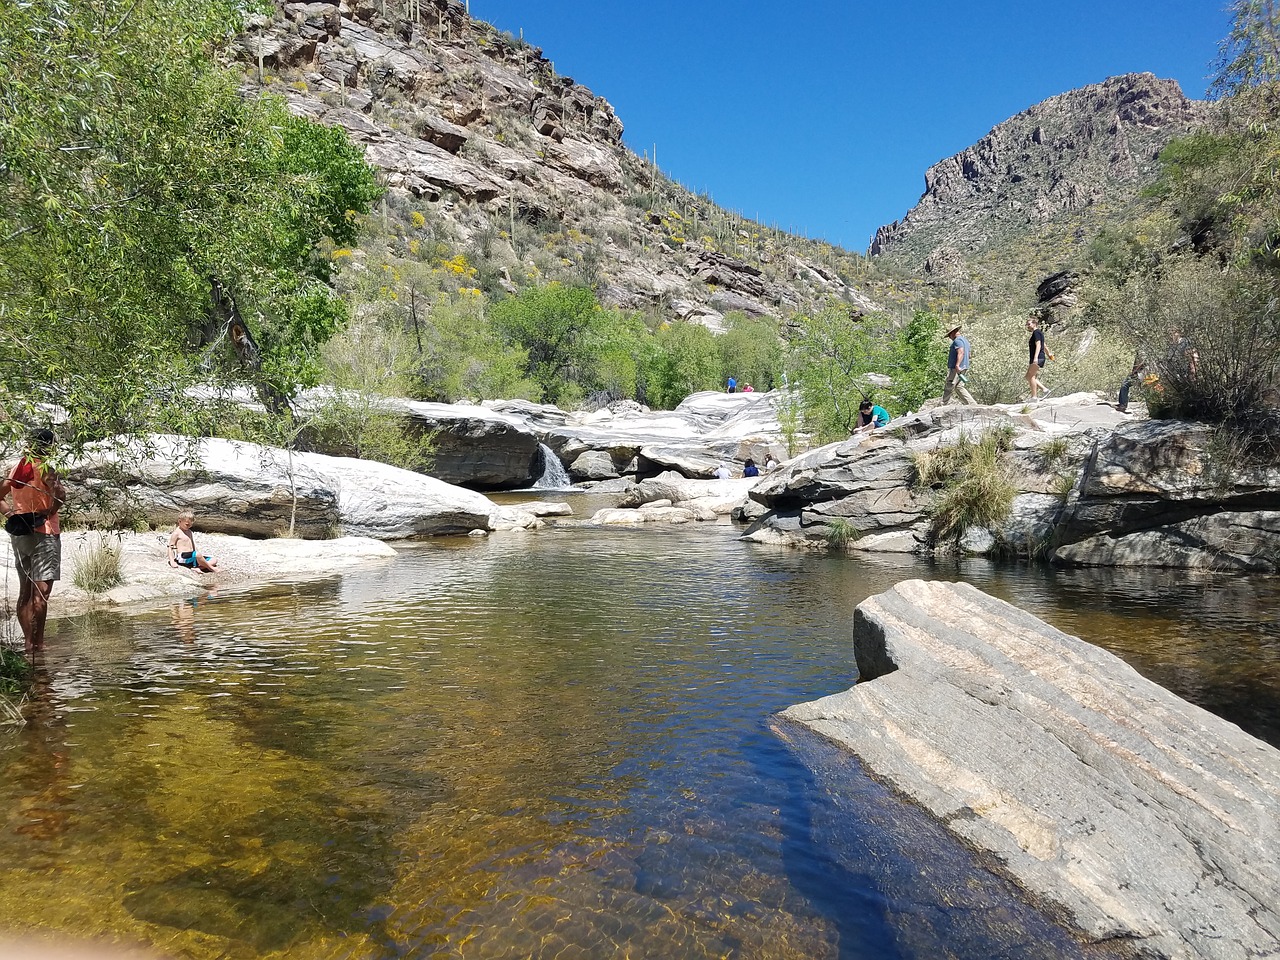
pixel 536 745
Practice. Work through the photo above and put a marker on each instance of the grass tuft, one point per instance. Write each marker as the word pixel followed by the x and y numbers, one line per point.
pixel 97 569
pixel 1054 451
pixel 15 677
pixel 976 487
pixel 840 533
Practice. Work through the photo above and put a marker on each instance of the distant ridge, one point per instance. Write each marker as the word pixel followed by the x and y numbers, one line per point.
pixel 1076 156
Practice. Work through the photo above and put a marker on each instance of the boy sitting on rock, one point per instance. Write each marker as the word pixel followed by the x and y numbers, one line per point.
pixel 182 546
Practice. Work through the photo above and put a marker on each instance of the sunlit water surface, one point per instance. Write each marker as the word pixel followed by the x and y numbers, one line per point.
pixel 547 745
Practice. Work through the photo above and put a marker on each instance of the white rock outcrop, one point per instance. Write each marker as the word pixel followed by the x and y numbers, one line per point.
pixel 253 490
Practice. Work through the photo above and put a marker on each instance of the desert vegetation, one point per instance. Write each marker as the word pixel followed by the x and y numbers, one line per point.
pixel 204 237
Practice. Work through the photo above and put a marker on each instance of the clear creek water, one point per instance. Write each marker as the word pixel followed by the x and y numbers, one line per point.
pixel 552 745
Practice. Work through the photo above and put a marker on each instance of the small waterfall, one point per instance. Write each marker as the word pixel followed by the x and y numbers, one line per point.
pixel 553 476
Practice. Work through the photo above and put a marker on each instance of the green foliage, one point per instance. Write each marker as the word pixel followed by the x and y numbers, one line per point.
pixel 360 425
pixel 15 674
pixel 829 361
pixel 835 353
pixel 840 533
pixel 1211 338
pixel 1250 54
pixel 1052 452
pixel 914 363
pixel 976 487
pixel 560 330
pixel 1063 484
pixel 685 360
pixel 999 367
pixel 135 174
pixel 97 568
pixel 751 350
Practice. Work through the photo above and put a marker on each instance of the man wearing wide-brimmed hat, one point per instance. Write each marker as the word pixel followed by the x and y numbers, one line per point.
pixel 957 367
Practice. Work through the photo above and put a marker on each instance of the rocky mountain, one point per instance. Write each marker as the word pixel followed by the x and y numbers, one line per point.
pixel 488 151
pixel 1027 194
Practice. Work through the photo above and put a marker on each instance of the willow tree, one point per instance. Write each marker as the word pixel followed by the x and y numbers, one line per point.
pixel 141 195
pixel 1249 56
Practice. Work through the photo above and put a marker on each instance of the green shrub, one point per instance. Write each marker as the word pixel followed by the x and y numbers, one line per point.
pixel 840 533
pixel 15 673
pixel 1053 452
pixel 686 361
pixel 976 487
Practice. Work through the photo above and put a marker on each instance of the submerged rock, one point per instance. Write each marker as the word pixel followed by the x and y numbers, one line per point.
pixel 1142 816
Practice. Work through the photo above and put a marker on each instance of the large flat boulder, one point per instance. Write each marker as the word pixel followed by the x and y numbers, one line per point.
pixel 252 490
pixel 472 445
pixel 1143 817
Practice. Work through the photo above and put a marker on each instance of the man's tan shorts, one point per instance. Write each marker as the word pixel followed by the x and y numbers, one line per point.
pixel 38 556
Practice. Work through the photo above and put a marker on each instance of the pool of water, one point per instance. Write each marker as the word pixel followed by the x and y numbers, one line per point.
pixel 546 745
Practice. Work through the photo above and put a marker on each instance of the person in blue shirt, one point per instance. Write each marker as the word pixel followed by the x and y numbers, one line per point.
pixel 957 367
pixel 732 385
pixel 871 417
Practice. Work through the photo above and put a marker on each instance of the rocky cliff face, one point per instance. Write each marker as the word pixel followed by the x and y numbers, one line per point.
pixel 476 132
pixel 1086 152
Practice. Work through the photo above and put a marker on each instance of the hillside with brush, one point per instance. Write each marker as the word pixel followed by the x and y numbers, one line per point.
pixel 1026 200
pixel 489 153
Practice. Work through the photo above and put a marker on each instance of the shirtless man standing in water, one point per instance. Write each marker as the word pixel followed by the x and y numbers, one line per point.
pixel 37 554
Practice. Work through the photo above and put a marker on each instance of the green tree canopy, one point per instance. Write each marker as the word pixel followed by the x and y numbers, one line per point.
pixel 1250 54
pixel 686 360
pixel 560 328
pixel 134 177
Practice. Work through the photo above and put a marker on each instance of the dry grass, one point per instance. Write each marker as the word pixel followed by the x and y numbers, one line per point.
pixel 97 569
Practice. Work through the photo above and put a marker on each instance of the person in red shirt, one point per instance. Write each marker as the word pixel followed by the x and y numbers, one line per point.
pixel 37 551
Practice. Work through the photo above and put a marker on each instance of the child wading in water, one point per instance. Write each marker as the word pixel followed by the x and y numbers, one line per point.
pixel 182 547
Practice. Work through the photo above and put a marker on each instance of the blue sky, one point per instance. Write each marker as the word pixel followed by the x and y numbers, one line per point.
pixel 822 116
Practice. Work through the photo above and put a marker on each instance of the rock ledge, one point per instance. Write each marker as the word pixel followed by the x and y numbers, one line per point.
pixel 1144 817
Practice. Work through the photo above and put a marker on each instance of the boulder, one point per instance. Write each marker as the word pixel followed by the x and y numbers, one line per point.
pixel 147 577
pixel 1247 542
pixel 252 490
pixel 1028 531
pixel 593 465
pixel 650 513
pixel 1143 817
pixel 1172 494
pixel 720 497
pixel 474 446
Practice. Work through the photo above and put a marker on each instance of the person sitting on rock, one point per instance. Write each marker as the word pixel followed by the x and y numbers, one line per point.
pixel 749 469
pixel 871 417
pixel 182 546
pixel 722 472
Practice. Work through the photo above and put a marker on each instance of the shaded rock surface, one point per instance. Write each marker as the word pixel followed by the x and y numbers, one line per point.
pixel 1142 816
pixel 1165 493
